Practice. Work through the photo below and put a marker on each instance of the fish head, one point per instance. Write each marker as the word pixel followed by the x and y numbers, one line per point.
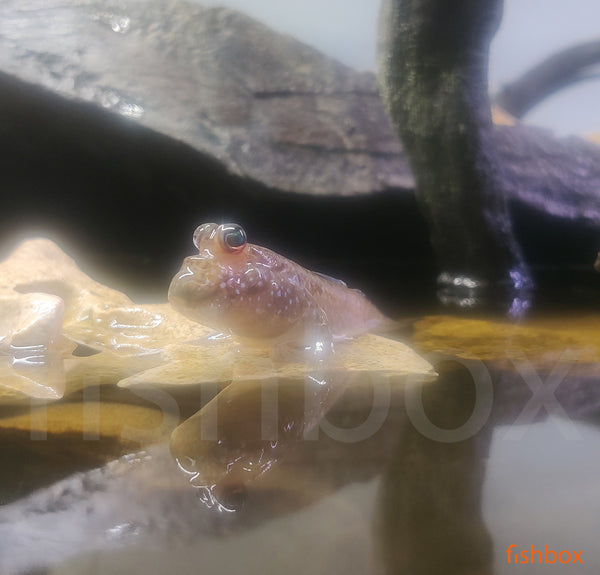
pixel 237 287
pixel 199 289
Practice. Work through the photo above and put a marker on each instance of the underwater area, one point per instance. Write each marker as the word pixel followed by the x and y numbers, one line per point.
pixel 261 312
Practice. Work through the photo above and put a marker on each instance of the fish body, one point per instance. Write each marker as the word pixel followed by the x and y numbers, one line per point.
pixel 254 292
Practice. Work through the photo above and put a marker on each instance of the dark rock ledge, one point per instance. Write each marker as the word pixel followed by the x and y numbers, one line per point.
pixel 265 105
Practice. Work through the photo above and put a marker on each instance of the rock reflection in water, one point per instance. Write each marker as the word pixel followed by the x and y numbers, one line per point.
pixel 145 502
pixel 430 505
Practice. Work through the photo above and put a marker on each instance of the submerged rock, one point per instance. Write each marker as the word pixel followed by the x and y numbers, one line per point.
pixel 551 362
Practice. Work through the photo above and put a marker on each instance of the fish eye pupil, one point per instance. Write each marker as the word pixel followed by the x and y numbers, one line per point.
pixel 234 237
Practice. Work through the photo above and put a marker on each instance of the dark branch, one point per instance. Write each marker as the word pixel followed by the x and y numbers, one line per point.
pixel 576 64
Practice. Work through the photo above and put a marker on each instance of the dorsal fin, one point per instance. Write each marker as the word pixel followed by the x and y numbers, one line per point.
pixel 330 279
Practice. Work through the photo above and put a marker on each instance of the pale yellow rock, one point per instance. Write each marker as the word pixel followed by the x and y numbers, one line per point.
pixel 32 346
pixel 130 424
pixel 134 330
pixel 224 361
pixel 594 138
pixel 41 292
pixel 501 117
pixel 40 266
pixel 48 305
pixel 485 340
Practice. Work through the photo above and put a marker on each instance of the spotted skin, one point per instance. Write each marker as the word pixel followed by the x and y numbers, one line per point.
pixel 253 292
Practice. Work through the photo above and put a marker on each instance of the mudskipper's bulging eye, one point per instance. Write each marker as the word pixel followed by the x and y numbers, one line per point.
pixel 204 232
pixel 232 237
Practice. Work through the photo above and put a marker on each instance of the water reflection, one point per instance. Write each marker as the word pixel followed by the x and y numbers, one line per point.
pixel 516 294
pixel 434 506
pixel 429 512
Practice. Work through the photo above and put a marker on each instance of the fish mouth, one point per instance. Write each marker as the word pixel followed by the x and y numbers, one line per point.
pixel 193 285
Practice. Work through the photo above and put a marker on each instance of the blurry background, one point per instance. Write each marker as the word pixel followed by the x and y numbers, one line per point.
pixel 75 170
pixel 531 30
